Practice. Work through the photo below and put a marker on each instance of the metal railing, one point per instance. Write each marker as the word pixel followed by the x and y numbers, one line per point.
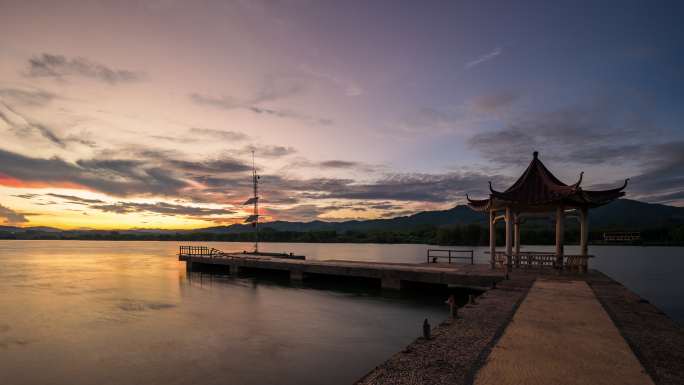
pixel 433 255
pixel 532 259
pixel 199 251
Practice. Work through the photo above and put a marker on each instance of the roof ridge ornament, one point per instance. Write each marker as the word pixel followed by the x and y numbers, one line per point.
pixel 535 155
pixel 625 184
pixel 576 185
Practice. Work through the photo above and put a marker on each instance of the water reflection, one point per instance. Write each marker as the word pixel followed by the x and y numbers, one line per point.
pixel 128 312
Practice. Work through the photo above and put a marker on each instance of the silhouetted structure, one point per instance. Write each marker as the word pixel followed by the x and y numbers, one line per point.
pixel 539 192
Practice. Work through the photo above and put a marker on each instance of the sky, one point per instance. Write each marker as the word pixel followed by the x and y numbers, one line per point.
pixel 144 114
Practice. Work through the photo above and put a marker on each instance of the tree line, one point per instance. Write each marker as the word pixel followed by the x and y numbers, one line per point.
pixel 472 235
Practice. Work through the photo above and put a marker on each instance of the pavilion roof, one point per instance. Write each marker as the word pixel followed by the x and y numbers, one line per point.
pixel 538 189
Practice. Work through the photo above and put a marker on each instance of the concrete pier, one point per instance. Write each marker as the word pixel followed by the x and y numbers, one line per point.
pixel 538 328
pixel 390 276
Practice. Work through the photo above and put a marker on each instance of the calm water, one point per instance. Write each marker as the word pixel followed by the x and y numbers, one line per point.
pixel 76 312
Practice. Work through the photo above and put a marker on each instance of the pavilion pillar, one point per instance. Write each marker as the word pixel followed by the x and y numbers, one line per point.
pixel 509 236
pixel 516 235
pixel 584 231
pixel 560 232
pixel 492 238
pixel 584 237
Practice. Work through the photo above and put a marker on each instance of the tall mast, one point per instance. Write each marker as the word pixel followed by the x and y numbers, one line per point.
pixel 255 179
pixel 254 200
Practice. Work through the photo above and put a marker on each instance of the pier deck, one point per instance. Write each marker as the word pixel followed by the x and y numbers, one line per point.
pixel 390 275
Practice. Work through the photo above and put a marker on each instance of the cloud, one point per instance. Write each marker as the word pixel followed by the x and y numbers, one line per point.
pixel 163 208
pixel 338 164
pixel 274 89
pixel 596 131
pixel 425 188
pixel 662 178
pixel 265 151
pixel 484 58
pixel 74 199
pixel 494 101
pixel 233 136
pixel 114 177
pixel 33 98
pixel 299 212
pixel 11 217
pixel 59 67
pixel 216 166
pixel 22 126
pixel 228 103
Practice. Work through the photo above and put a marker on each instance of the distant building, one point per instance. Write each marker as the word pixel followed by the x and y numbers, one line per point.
pixel 622 236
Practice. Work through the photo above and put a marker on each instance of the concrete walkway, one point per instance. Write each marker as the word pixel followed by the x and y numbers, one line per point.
pixel 561 335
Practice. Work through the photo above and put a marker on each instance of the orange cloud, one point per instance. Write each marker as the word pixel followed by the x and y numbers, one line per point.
pixel 9 181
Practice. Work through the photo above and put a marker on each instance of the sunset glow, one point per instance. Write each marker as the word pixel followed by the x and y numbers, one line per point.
pixel 118 115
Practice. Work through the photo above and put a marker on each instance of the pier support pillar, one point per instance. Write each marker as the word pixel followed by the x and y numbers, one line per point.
pixel 188 265
pixel 492 238
pixel 560 232
pixel 296 275
pixel 391 283
pixel 234 269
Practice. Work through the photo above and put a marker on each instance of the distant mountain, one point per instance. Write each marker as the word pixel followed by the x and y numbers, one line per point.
pixel 623 214
pixel 15 229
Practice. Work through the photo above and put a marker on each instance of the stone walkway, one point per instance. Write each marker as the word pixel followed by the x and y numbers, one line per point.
pixel 561 335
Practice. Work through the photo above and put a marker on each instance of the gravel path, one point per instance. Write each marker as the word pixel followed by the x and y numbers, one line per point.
pixel 458 347
pixel 656 340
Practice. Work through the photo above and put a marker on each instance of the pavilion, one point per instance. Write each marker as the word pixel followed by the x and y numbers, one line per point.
pixel 538 193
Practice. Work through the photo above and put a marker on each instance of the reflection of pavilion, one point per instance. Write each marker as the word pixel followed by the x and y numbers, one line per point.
pixel 535 193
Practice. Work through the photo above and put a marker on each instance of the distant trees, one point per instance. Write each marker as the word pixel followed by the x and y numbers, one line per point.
pixel 474 234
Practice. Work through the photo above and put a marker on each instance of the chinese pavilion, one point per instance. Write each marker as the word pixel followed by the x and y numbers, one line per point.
pixel 538 193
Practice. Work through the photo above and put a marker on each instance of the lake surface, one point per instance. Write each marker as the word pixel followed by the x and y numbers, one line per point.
pixel 97 312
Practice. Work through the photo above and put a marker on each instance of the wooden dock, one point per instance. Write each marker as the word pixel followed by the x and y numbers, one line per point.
pixel 389 275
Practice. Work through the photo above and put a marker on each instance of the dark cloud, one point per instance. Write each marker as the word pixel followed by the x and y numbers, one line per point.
pixel 75 199
pixel 217 166
pixel 265 151
pixel 163 208
pixel 662 178
pixel 605 131
pixel 11 217
pixel 32 98
pixel 307 211
pixel 114 177
pixel 59 67
pixel 219 134
pixel 435 188
pixel 338 164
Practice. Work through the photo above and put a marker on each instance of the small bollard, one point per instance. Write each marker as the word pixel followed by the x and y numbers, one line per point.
pixel 426 329
pixel 471 299
pixel 453 306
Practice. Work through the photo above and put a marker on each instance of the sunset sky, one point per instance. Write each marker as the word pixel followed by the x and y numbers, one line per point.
pixel 143 114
